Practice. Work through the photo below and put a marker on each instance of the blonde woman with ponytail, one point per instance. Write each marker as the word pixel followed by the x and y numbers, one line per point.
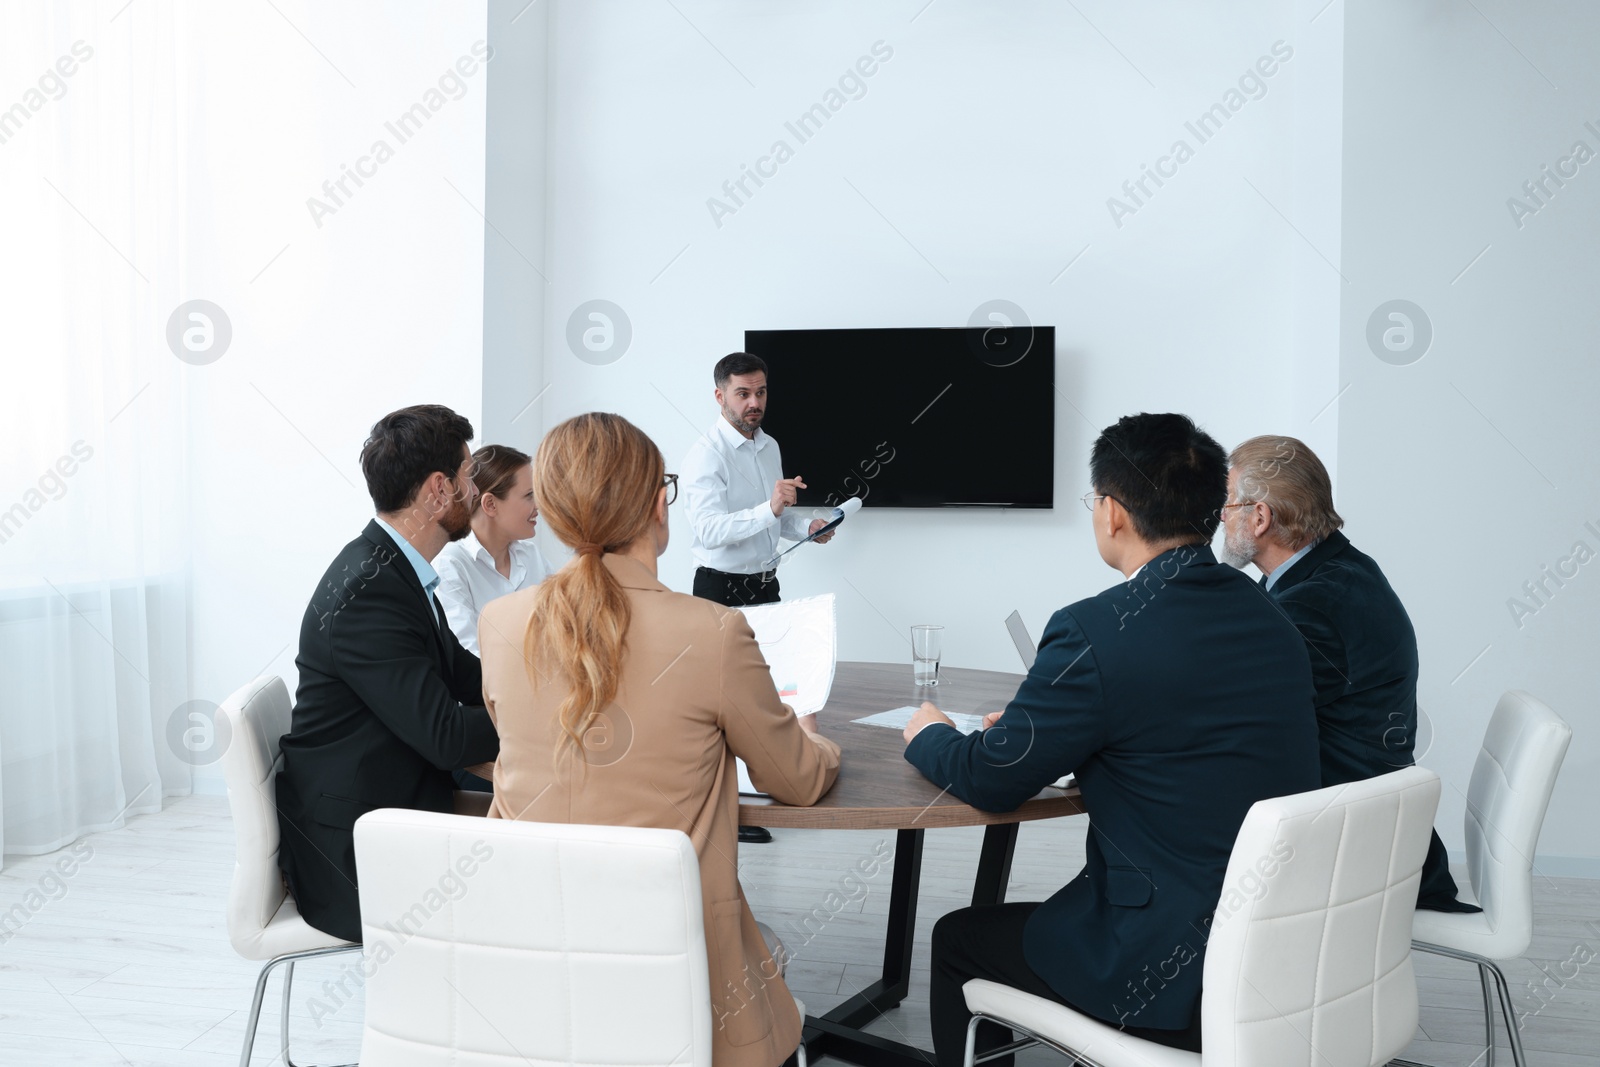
pixel 621 702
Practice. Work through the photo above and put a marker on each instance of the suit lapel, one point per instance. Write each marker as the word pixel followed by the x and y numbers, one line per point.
pixel 439 640
pixel 427 604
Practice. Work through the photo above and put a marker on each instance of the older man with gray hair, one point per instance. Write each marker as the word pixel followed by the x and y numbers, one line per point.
pixel 1363 649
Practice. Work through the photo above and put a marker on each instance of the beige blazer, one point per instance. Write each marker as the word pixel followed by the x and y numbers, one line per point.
pixel 695 693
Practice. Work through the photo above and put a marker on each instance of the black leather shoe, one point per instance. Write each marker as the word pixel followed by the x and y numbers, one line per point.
pixel 754 835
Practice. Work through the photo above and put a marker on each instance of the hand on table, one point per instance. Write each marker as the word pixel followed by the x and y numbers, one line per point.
pixel 817 524
pixel 992 718
pixel 926 715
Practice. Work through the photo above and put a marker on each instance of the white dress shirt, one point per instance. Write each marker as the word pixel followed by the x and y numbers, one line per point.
pixel 727 486
pixel 468 581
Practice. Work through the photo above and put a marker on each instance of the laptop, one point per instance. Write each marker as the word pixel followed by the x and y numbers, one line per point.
pixel 1029 652
pixel 1020 638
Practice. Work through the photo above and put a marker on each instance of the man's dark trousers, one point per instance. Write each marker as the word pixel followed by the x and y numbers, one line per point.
pixel 735 590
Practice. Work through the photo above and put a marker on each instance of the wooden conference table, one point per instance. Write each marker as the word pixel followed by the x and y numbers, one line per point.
pixel 878 790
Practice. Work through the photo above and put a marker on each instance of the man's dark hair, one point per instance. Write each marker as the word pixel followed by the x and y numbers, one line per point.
pixel 1170 475
pixel 736 363
pixel 408 445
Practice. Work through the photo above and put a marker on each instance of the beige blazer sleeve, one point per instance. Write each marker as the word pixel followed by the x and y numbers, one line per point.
pixel 786 762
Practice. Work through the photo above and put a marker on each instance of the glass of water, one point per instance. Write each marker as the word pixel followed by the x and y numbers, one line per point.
pixel 925 648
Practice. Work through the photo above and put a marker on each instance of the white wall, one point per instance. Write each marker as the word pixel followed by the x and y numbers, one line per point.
pixel 1469 471
pixel 984 152
pixel 977 165
pixel 379 307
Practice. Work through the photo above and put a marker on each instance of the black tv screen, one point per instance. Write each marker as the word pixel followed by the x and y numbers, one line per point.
pixel 914 418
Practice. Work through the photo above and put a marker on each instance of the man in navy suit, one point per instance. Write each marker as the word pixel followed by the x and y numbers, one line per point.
pixel 389 703
pixel 1179 697
pixel 1363 650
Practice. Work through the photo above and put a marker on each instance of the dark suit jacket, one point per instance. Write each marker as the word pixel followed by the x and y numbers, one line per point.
pixel 389 704
pixel 1364 665
pixel 1179 699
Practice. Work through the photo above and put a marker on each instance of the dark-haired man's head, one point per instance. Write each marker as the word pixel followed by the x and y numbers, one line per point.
pixel 1159 482
pixel 419 472
pixel 742 390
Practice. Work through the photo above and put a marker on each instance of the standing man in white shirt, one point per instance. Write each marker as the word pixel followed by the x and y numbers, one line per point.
pixel 737 497
pixel 738 501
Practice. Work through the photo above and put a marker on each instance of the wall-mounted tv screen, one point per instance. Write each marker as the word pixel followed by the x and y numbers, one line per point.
pixel 914 418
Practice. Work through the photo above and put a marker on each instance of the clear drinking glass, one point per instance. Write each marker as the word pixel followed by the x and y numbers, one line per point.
pixel 925 648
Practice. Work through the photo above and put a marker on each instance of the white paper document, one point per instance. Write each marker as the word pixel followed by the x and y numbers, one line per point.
pixel 799 640
pixel 896 719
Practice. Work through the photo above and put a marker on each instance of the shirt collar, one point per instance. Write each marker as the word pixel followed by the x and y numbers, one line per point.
pixel 1283 568
pixel 736 439
pixel 425 572
pixel 519 550
pixel 475 549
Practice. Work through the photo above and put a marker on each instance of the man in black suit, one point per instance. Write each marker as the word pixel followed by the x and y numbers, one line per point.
pixel 389 702
pixel 1179 698
pixel 1363 650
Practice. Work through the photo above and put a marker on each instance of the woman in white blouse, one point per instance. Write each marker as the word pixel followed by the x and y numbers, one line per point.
pixel 498 556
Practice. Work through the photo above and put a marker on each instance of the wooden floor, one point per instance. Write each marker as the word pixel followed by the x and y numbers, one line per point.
pixel 127 962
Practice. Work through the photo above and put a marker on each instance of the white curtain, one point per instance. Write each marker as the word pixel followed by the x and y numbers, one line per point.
pixel 94 553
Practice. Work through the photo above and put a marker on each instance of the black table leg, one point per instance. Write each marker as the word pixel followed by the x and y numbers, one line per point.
pixel 994 863
pixel 838 1033
pixel 890 990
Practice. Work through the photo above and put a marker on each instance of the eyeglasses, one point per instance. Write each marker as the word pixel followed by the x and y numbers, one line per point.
pixel 1223 510
pixel 669 482
pixel 1091 498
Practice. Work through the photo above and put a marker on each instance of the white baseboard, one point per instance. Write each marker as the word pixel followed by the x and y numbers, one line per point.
pixel 208 781
pixel 1552 866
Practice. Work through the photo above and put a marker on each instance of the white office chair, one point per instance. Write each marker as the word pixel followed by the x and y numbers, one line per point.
pixel 1506 802
pixel 1314 969
pixel 493 941
pixel 263 922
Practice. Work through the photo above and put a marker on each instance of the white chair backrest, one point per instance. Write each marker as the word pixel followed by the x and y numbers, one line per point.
pixel 255 717
pixel 1506 802
pixel 1309 959
pixel 491 942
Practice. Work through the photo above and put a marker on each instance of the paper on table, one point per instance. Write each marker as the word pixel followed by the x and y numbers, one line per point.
pixel 896 719
pixel 798 639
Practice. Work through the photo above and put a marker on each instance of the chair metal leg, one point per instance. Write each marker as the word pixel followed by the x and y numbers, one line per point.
pixel 1488 1017
pixel 255 1013
pixel 1512 1030
pixel 1028 1040
pixel 967 1060
pixel 254 1021
pixel 1487 969
pixel 283 1027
